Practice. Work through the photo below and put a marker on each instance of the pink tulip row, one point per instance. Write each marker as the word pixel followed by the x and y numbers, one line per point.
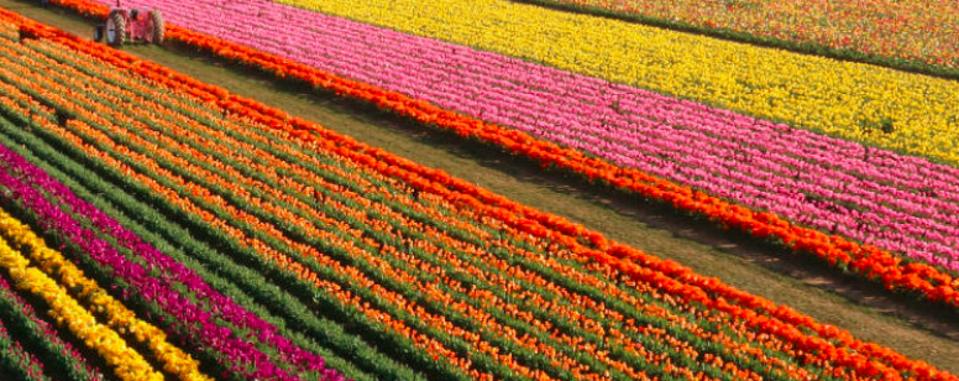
pixel 904 204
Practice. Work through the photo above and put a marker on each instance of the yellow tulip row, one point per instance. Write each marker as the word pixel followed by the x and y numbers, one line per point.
pixel 128 364
pixel 906 112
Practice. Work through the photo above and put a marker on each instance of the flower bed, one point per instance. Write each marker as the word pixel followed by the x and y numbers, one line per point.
pixel 426 275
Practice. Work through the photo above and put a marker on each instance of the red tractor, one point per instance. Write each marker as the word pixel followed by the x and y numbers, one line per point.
pixel 130 25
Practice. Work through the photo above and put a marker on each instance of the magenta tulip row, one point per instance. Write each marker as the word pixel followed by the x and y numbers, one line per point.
pixel 903 204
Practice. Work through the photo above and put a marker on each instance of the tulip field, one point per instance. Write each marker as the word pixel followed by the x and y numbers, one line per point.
pixel 155 226
pixel 879 212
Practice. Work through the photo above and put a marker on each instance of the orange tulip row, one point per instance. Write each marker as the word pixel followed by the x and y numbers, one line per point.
pixel 666 280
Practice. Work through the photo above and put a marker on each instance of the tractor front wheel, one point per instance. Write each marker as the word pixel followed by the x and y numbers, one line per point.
pixel 156 19
pixel 116 29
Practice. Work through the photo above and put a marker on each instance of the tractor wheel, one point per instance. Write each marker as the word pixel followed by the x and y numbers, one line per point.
pixel 116 29
pixel 159 28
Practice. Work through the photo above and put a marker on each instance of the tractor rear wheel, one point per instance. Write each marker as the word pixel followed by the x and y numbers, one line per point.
pixel 116 29
pixel 158 27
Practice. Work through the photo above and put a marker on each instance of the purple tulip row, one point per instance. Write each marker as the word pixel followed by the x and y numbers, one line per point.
pixel 23 179
pixel 903 204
